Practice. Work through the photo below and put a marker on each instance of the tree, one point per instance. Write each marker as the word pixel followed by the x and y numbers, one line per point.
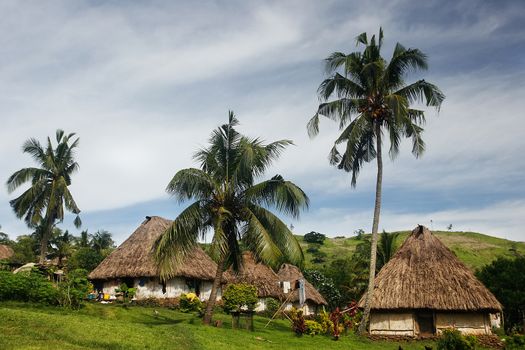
pixel 386 248
pixel 506 279
pixel 62 245
pixel 227 202
pixel 42 204
pixel 4 238
pixel 101 241
pixel 84 239
pixel 24 249
pixel 314 237
pixel 371 98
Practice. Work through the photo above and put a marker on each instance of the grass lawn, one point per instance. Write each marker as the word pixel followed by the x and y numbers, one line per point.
pixel 27 326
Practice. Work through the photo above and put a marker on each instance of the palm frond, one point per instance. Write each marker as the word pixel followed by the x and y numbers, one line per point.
pixel 422 91
pixel 191 183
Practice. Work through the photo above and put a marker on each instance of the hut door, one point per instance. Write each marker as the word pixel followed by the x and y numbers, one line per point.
pixel 425 322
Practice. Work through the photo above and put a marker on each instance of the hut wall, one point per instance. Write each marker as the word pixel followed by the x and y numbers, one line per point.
pixel 309 308
pixel 108 287
pixel 206 291
pixel 401 323
pixel 466 323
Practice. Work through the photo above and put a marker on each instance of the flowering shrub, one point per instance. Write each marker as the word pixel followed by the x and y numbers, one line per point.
pixel 298 322
pixel 313 327
pixel 190 302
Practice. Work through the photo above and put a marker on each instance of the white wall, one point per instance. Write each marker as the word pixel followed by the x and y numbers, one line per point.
pixel 392 324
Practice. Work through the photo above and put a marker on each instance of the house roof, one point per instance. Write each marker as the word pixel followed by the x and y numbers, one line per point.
pixel 292 273
pixel 134 258
pixel 425 274
pixel 5 251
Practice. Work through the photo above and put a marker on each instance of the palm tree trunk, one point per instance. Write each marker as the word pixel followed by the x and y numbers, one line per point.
pixel 375 225
pixel 213 294
pixel 46 233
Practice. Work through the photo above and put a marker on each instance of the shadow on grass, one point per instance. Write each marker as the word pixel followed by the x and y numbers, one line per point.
pixel 158 320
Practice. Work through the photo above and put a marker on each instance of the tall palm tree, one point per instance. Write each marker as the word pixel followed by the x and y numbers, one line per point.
pixel 372 99
pixel 386 248
pixel 42 204
pixel 62 245
pixel 102 240
pixel 229 203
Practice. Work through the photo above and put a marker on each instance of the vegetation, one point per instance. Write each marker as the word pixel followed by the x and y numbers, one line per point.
pixel 190 302
pixel 42 204
pixel 229 203
pixel 452 339
pixel 314 238
pixel 239 296
pixel 95 326
pixel 372 98
pixel 506 280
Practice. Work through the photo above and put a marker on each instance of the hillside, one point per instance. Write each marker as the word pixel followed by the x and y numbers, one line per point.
pixel 474 249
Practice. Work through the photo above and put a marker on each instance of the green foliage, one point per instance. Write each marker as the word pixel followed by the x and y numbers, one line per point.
pixel 452 339
pixel 386 248
pixel 515 342
pixel 190 302
pixel 25 249
pixel 272 305
pixel 31 286
pixel 74 288
pixel 327 326
pixel 298 321
pixel 506 279
pixel 85 258
pixel 325 285
pixel 359 233
pixel 313 328
pixel 314 238
pixel 239 296
pixel 126 292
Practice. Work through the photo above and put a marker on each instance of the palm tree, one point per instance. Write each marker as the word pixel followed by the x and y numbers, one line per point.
pixel 372 98
pixel 62 244
pixel 101 241
pixel 228 203
pixel 42 204
pixel 386 248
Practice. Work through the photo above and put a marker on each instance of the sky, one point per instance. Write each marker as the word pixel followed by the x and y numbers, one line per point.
pixel 143 84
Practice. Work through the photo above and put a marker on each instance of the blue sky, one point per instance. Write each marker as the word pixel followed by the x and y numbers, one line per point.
pixel 143 84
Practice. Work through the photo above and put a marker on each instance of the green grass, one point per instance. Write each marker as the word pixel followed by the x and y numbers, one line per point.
pixel 27 326
pixel 474 249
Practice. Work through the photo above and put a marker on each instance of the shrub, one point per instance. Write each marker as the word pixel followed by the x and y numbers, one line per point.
pixel 73 288
pixel 452 339
pixel 190 302
pixel 240 296
pixel 515 342
pixel 313 327
pixel 324 321
pixel 31 286
pixel 298 322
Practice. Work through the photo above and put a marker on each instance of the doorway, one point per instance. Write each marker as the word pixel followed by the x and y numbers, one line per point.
pixel 425 323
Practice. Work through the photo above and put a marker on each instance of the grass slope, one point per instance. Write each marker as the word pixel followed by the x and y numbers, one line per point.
pixel 473 249
pixel 26 326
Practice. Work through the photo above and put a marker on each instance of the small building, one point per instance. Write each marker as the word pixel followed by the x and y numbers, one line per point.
pixel 291 279
pixel 5 252
pixel 424 288
pixel 133 263
pixel 258 274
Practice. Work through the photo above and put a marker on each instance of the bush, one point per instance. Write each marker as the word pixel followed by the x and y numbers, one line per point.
pixel 452 339
pixel 240 296
pixel 298 322
pixel 313 328
pixel 31 286
pixel 190 302
pixel 515 342
pixel 314 237
pixel 324 321
pixel 73 288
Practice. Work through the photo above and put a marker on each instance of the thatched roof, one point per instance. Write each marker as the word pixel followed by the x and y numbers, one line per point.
pixel 5 251
pixel 292 273
pixel 258 274
pixel 425 274
pixel 134 258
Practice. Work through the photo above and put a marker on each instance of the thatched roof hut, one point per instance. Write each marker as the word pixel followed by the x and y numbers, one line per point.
pixel 6 251
pixel 425 275
pixel 258 274
pixel 134 258
pixel 292 273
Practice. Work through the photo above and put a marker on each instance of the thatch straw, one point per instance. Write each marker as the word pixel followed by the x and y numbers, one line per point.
pixel 6 251
pixel 425 274
pixel 134 258
pixel 292 273
pixel 257 274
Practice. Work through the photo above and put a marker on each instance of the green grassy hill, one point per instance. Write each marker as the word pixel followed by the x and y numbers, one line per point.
pixel 474 249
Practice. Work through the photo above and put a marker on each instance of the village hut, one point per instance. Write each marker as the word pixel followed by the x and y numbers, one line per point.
pixel 293 283
pixel 5 252
pixel 258 274
pixel 133 263
pixel 424 289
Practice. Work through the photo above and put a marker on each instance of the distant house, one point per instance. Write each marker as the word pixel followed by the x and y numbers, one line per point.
pixel 424 289
pixel 291 277
pixel 132 263
pixel 5 252
pixel 261 276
